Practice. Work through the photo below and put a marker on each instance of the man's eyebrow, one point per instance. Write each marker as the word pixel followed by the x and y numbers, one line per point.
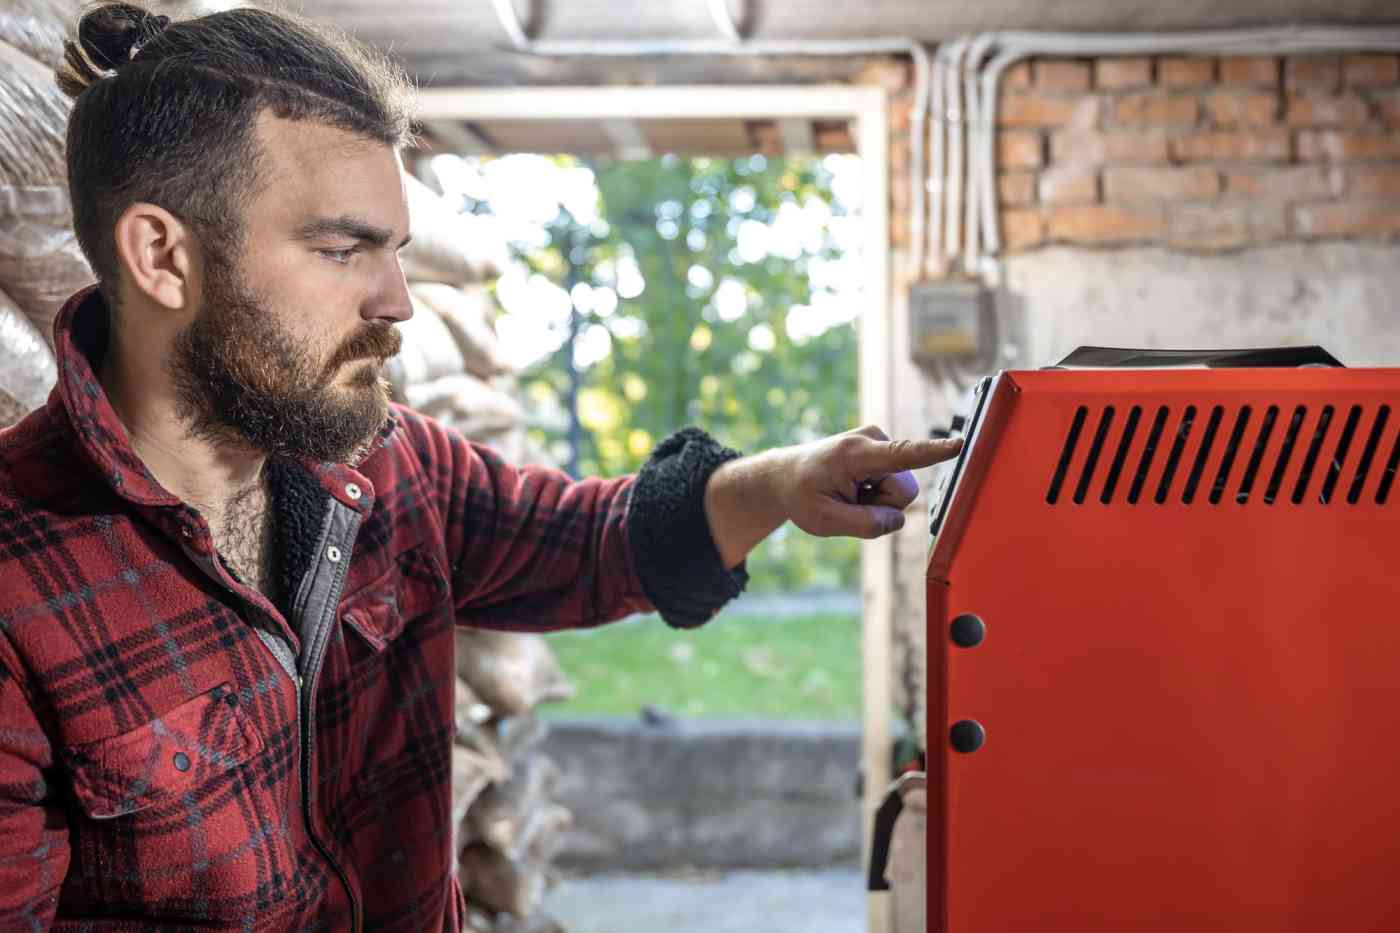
pixel 349 227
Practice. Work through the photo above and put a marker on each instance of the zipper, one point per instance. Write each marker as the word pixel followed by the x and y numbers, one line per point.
pixel 313 651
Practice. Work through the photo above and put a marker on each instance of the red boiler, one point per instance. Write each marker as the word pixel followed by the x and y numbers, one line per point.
pixel 1164 652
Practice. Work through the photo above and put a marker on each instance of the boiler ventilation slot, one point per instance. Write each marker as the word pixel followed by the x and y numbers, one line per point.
pixel 1184 440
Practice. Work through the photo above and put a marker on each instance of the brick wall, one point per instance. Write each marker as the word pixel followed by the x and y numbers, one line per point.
pixel 1200 154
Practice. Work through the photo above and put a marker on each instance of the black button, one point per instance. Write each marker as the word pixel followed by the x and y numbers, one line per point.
pixel 967 631
pixel 182 761
pixel 967 735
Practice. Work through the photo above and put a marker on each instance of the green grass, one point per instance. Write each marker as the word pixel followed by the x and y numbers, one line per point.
pixel 805 667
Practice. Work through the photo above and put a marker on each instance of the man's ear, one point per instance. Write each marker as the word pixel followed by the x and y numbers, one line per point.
pixel 157 254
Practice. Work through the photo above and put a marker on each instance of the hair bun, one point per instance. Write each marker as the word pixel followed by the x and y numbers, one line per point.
pixel 109 36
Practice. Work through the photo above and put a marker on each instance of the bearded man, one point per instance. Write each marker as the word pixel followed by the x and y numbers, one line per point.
pixel 230 569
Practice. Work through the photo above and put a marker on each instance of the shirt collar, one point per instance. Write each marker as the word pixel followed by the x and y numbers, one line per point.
pixel 80 343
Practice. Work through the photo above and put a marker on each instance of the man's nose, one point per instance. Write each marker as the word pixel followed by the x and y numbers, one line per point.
pixel 392 302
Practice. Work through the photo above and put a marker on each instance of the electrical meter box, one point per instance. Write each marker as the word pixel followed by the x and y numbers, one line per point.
pixel 947 320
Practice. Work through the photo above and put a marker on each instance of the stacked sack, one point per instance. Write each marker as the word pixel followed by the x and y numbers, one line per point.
pixel 509 825
pixel 41 265
pixel 451 366
pixel 40 262
pixel 504 789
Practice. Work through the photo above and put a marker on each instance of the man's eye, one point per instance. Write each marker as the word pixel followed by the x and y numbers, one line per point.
pixel 341 256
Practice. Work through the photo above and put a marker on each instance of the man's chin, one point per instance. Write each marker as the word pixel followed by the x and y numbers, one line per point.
pixel 343 432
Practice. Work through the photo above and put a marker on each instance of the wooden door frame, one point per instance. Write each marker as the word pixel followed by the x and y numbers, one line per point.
pixel 868 109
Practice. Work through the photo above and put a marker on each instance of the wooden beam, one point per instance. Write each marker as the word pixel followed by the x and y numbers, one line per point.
pixel 470 29
pixel 491 68
pixel 459 137
pixel 701 136
pixel 581 137
pixel 621 103
pixel 833 136
pixel 627 139
pixel 797 136
pixel 876 388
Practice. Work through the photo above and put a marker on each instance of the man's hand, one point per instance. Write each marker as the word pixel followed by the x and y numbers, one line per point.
pixel 856 484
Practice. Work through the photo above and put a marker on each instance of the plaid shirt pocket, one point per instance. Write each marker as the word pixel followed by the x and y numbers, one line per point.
pixel 164 758
pixel 414 586
pixel 182 797
pixel 376 618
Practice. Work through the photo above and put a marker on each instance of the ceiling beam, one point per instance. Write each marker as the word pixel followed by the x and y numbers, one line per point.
pixel 627 139
pixel 470 29
pixel 669 103
pixel 797 137
pixel 459 137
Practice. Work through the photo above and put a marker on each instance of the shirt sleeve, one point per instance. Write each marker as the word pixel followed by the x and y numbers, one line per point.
pixel 672 546
pixel 33 831
pixel 535 550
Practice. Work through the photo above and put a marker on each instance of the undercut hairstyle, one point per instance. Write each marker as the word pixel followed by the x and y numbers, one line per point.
pixel 165 113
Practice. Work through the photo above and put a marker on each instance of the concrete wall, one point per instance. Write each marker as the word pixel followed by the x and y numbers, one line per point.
pixel 741 794
pixel 1342 295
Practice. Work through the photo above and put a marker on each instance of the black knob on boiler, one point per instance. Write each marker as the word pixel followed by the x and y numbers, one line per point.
pixel 967 630
pixel 967 735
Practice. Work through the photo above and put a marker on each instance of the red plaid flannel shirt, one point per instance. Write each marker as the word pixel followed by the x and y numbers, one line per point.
pixel 177 752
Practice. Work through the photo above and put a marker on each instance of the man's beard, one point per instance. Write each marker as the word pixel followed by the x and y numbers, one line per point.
pixel 240 376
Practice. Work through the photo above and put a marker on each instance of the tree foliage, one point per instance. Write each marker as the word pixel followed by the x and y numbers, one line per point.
pixel 713 323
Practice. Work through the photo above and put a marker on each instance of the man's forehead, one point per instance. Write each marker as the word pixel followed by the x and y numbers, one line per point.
pixel 310 170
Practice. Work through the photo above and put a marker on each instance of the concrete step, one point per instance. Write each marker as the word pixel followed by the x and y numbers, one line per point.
pixel 829 900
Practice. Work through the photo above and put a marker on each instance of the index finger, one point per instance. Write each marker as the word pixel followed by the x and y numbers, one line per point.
pixel 894 456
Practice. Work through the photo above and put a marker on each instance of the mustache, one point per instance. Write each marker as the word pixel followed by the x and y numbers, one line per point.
pixel 375 341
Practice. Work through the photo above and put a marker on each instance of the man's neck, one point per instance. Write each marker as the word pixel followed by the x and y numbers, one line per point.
pixel 207 473
pixel 226 483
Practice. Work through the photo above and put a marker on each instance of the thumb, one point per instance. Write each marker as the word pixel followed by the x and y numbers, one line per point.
pixel 849 520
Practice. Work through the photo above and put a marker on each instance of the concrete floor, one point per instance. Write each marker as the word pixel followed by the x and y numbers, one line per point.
pixel 805 901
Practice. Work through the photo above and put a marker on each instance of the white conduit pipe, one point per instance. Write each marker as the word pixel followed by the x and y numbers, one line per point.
pixel 724 21
pixel 1011 47
pixel 957 149
pixel 977 114
pixel 937 176
pixel 794 47
pixel 947 137
pixel 510 22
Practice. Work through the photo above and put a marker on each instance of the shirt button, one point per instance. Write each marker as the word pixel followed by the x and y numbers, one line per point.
pixel 352 490
pixel 182 761
pixel 333 554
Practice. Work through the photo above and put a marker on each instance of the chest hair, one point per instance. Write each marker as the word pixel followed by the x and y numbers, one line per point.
pixel 244 534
